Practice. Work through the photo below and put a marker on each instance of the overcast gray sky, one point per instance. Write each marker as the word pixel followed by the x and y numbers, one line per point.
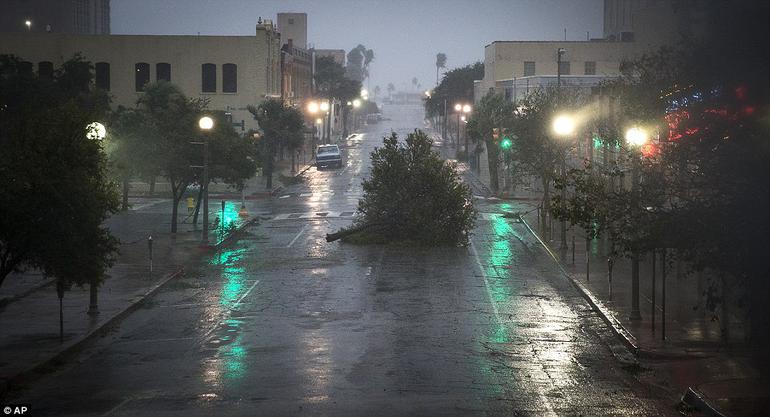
pixel 404 34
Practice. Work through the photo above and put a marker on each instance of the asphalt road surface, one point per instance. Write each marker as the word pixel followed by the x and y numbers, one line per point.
pixel 284 323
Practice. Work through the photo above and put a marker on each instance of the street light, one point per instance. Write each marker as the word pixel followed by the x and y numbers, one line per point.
pixel 205 124
pixel 94 131
pixel 312 107
pixel 28 23
pixel 324 106
pixel 636 137
pixel 565 126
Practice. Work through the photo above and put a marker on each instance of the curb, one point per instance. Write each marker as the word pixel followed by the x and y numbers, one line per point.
pixel 621 332
pixel 695 399
pixel 76 345
pixel 93 334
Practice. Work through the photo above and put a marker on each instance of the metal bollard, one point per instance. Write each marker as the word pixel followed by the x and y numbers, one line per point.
pixel 149 246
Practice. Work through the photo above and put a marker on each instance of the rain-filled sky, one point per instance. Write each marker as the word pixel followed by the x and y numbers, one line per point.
pixel 405 35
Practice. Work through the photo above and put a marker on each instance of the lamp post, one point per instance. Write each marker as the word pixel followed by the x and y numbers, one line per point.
pixel 94 131
pixel 324 107
pixel 458 109
pixel 559 53
pixel 466 110
pixel 205 123
pixel 564 126
pixel 636 137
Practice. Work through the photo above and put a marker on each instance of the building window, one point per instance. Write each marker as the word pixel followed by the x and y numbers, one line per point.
pixel 590 68
pixel 291 21
pixel 229 78
pixel 102 76
pixel 45 69
pixel 142 75
pixel 209 78
pixel 529 68
pixel 163 71
pixel 564 67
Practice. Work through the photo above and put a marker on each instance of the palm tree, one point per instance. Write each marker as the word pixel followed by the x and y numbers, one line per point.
pixel 440 63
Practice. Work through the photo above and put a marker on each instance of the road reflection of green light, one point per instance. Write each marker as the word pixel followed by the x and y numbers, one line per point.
pixel 234 360
pixel 498 270
pixel 232 355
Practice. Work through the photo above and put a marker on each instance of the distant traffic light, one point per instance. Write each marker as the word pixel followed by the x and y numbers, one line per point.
pixel 506 143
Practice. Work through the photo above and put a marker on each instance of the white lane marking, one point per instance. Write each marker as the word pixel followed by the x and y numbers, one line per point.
pixel 486 284
pixel 229 311
pixel 113 409
pixel 237 303
pixel 297 237
pixel 306 194
pixel 145 205
pixel 285 196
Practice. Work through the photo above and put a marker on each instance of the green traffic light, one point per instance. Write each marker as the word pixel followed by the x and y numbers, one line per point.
pixel 506 143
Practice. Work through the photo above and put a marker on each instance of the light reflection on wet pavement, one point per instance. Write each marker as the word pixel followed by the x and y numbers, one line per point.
pixel 283 323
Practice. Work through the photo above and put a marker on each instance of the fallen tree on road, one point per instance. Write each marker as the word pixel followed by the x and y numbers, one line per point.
pixel 412 196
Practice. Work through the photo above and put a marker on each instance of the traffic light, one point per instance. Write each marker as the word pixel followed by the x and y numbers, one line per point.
pixel 506 143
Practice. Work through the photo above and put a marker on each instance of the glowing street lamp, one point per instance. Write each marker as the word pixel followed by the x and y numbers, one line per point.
pixel 427 93
pixel 96 131
pixel 324 106
pixel 356 103
pixel 564 125
pixel 637 137
pixel 205 123
pixel 28 23
pixel 312 107
pixel 458 107
pixel 467 108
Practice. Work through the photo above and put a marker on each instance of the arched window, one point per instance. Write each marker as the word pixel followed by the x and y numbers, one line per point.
pixel 142 70
pixel 102 76
pixel 209 78
pixel 163 71
pixel 45 69
pixel 229 78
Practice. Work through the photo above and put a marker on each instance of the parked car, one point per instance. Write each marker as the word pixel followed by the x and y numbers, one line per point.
pixel 327 156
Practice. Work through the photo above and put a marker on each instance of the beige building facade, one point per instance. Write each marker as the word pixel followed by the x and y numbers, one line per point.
pixel 231 72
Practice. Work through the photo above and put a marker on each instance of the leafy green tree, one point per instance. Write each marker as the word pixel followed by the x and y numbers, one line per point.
pixel 359 59
pixel 131 152
pixel 278 122
pixel 174 118
pixel 492 112
pixel 456 86
pixel 706 181
pixel 334 84
pixel 535 146
pixel 440 63
pixel 53 178
pixel 412 195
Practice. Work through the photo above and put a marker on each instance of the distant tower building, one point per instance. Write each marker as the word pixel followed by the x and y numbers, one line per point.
pixel 293 27
pixel 57 16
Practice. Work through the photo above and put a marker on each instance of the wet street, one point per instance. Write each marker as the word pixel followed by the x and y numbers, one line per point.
pixel 284 323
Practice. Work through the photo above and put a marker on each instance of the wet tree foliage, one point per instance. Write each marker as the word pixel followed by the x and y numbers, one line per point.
pixel 53 179
pixel 412 196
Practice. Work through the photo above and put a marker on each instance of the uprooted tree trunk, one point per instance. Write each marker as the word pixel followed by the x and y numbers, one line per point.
pixel 331 237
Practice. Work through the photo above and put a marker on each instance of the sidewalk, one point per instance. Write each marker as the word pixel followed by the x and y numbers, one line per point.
pixel 692 364
pixel 29 305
